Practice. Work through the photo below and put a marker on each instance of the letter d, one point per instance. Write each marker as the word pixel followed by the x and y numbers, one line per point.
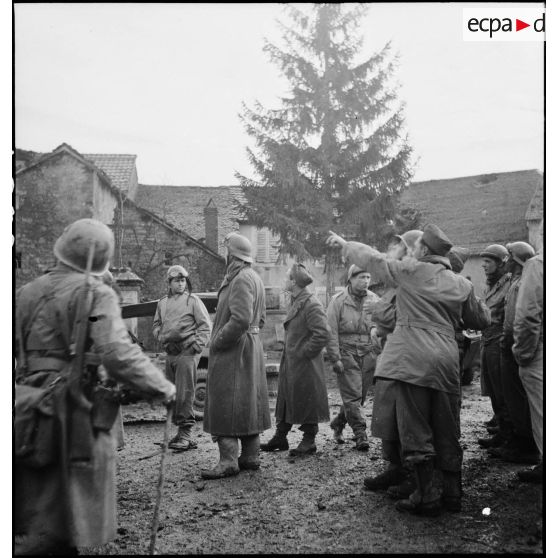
pixel 536 25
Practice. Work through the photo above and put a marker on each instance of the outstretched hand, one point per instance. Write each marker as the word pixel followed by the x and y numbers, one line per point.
pixel 335 241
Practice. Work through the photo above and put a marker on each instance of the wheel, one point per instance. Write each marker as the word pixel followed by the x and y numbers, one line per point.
pixel 199 395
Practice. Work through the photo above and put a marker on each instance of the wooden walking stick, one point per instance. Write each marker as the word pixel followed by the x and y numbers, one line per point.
pixel 155 522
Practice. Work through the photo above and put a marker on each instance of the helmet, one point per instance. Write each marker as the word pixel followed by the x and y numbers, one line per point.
pixel 239 247
pixel 354 270
pixel 520 251
pixel 409 238
pixel 497 252
pixel 72 247
pixel 176 271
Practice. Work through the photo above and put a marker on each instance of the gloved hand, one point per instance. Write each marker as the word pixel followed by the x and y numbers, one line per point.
pixel 338 367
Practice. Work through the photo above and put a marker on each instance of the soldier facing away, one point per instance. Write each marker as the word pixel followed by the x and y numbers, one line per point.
pixel 71 502
pixel 183 326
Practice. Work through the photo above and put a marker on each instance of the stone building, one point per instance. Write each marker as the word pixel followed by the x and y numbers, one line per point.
pixel 54 189
pixel 475 211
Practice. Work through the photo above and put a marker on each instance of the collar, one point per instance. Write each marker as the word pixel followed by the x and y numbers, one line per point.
pixel 434 259
pixel 297 303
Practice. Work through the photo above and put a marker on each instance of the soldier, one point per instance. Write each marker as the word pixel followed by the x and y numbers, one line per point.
pixel 494 261
pixel 72 502
pixel 417 377
pixel 520 446
pixel 353 352
pixel 528 349
pixel 183 326
pixel 302 393
pixel 236 404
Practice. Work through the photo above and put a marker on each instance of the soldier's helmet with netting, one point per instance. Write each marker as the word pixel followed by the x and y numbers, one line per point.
pixel 72 247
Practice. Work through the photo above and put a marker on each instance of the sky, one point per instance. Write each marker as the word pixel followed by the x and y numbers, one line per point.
pixel 166 82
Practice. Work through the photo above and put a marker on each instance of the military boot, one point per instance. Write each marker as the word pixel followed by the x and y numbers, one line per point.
pixel 228 460
pixel 425 500
pixel 307 445
pixel 404 489
pixel 361 441
pixel 337 425
pixel 249 454
pixel 278 442
pixel 183 439
pixel 394 474
pixel 497 440
pixel 452 491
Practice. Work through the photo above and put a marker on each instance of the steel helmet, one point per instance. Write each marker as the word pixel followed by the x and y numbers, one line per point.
pixel 520 251
pixel 175 271
pixel 72 247
pixel 409 238
pixel 497 252
pixel 239 247
pixel 354 270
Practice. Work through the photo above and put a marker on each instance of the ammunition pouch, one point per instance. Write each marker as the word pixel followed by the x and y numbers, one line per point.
pixel 37 423
pixel 106 402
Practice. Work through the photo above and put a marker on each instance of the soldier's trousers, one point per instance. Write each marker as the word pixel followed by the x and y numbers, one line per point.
pixel 516 401
pixel 354 383
pixel 425 421
pixel 491 382
pixel 533 380
pixel 181 371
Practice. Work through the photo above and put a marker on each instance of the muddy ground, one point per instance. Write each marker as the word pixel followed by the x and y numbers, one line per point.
pixel 314 504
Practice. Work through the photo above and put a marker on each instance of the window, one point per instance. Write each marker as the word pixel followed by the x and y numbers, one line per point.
pixel 267 250
pixel 168 258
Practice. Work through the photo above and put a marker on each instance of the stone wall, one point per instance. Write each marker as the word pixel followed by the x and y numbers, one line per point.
pixel 51 196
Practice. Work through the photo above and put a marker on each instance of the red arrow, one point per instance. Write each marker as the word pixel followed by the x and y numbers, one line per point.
pixel 519 25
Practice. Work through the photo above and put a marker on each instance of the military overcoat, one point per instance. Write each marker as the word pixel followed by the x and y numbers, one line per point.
pixel 302 392
pixel 429 304
pixel 80 511
pixel 236 401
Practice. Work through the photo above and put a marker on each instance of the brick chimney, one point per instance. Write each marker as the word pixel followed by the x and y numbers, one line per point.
pixel 211 219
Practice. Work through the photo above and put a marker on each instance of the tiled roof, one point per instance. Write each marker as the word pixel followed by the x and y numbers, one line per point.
pixel 119 168
pixel 183 206
pixel 476 210
pixel 536 205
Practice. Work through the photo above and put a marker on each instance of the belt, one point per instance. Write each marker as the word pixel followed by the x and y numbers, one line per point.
pixel 254 329
pixel 354 338
pixel 443 329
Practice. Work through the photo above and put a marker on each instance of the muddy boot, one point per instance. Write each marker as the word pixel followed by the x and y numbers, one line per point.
pixel 307 445
pixel 279 441
pixel 249 454
pixel 535 475
pixel 425 500
pixel 337 425
pixel 228 460
pixel 492 442
pixel 404 489
pixel 361 441
pixel 183 440
pixel 452 491
pixel 394 474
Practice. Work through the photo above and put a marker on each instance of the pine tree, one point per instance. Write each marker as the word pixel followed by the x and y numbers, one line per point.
pixel 333 155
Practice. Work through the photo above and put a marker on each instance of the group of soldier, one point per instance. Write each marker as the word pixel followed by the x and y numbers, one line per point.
pixel 401 345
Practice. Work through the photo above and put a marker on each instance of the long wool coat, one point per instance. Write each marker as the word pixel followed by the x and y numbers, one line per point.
pixel 236 401
pixel 302 393
pixel 83 514
pixel 430 303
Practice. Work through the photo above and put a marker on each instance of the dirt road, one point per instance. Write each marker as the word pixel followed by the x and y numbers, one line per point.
pixel 314 504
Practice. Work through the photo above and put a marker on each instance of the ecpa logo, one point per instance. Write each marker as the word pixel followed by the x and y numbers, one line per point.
pixel 503 24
